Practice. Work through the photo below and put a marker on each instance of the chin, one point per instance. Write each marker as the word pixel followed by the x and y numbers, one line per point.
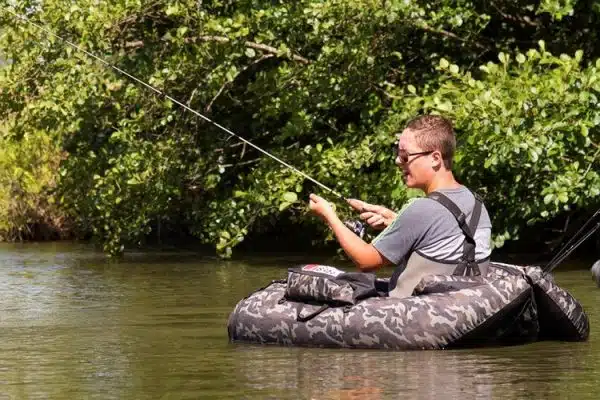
pixel 408 182
pixel 412 184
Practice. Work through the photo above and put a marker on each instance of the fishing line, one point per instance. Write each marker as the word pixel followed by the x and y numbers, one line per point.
pixel 578 238
pixel 157 91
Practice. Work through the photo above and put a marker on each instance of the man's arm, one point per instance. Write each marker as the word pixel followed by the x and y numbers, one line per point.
pixel 364 255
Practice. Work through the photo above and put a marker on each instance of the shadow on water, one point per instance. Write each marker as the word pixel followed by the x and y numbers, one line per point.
pixel 153 326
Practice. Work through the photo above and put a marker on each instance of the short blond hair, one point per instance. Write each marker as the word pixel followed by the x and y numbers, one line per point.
pixel 434 132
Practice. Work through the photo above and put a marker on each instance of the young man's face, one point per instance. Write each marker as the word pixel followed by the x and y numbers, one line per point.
pixel 417 165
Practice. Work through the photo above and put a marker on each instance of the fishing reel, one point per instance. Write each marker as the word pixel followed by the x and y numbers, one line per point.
pixel 357 227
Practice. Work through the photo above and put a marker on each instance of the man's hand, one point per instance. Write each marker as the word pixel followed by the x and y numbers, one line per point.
pixel 378 217
pixel 321 207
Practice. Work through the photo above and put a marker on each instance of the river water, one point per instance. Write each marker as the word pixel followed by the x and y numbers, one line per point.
pixel 75 325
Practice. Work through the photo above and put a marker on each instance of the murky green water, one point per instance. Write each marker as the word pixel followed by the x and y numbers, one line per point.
pixel 73 325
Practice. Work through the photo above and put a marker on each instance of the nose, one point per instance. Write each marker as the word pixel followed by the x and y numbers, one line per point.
pixel 399 162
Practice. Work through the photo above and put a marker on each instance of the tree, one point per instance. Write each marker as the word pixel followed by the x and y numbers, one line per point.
pixel 320 84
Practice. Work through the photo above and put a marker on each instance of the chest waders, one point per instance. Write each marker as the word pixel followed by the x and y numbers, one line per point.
pixel 407 275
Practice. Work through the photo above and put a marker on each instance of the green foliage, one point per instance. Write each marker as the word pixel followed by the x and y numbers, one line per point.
pixel 28 169
pixel 323 85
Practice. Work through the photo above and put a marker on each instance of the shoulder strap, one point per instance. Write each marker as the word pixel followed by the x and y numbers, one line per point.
pixel 476 215
pixel 467 265
pixel 460 217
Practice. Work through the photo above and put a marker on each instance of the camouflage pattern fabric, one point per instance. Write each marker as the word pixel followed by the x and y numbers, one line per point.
pixel 309 287
pixel 473 311
pixel 561 316
pixel 334 287
pixel 445 283
pixel 431 321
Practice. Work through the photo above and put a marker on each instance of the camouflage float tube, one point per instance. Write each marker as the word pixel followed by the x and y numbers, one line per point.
pixel 326 307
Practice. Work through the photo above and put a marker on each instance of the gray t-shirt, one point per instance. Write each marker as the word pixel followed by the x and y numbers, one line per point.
pixel 424 224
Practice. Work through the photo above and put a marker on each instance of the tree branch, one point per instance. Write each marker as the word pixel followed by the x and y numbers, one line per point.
pixel 590 166
pixel 239 164
pixel 448 34
pixel 252 45
pixel 209 106
pixel 189 103
pixel 136 44
pixel 524 20
pixel 386 93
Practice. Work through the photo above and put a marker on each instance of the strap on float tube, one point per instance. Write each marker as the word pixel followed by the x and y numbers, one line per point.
pixel 574 242
pixel 160 93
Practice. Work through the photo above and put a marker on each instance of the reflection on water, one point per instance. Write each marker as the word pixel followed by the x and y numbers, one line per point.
pixel 514 373
pixel 153 326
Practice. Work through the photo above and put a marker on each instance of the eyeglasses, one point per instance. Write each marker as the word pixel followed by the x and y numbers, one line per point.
pixel 403 155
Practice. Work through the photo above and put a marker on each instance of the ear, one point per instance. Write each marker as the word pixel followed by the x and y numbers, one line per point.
pixel 436 160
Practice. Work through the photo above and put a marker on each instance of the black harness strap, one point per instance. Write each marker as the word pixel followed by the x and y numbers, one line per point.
pixel 308 317
pixel 467 265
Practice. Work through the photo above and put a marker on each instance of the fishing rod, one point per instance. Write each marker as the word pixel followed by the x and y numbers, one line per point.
pixel 173 100
pixel 574 242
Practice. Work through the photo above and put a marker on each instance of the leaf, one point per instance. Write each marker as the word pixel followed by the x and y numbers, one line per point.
pixel 182 30
pixel 533 155
pixel 444 63
pixel 563 197
pixel 503 58
pixel 542 45
pixel 290 197
pixel 172 9
pixel 284 205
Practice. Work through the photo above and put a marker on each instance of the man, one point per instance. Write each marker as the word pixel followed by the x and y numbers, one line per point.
pixel 446 233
